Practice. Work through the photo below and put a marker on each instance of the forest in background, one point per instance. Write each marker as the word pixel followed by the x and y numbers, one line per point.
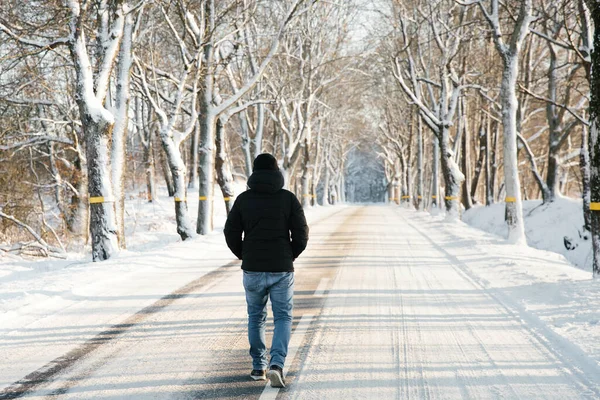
pixel 442 103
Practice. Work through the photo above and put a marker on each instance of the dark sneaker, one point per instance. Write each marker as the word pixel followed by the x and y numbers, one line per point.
pixel 276 377
pixel 258 375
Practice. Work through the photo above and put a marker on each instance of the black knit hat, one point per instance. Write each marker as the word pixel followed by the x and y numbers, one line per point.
pixel 265 161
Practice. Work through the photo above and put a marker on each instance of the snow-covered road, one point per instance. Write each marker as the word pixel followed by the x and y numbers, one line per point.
pixel 386 307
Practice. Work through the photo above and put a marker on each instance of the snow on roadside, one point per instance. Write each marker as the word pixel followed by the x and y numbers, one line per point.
pixel 546 227
pixel 67 302
pixel 539 286
pixel 32 290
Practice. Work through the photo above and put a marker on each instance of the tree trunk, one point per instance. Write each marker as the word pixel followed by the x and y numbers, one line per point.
pixel 119 139
pixel 103 227
pixel 207 120
pixel 177 168
pixel 285 172
pixel 408 197
pixel 317 167
pixel 149 167
pixel 145 134
pixel 480 159
pixel 334 195
pixel 206 181
pixel 97 124
pixel 164 164
pixel 508 99
pixel 246 142
pixel 551 189
pixel 401 180
pixel 224 177
pixel 594 139
pixel 259 133
pixel 420 164
pixel 489 195
pixel 325 200
pixel 194 155
pixel 493 165
pixel 466 161
pixel 408 167
pixel 584 164
pixel 435 172
pixel 342 185
pixel 306 167
pixel 79 210
pixel 451 173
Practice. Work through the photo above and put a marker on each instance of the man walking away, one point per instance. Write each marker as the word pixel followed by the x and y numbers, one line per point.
pixel 275 233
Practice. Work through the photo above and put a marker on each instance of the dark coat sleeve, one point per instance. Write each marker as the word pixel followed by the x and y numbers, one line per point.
pixel 298 228
pixel 233 230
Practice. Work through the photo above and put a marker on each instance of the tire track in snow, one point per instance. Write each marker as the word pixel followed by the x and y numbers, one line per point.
pixel 65 363
pixel 310 296
pixel 433 283
pixel 579 367
pixel 320 327
pixel 298 365
pixel 62 364
pixel 473 331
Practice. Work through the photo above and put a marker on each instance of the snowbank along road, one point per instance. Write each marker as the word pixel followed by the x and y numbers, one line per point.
pixel 383 310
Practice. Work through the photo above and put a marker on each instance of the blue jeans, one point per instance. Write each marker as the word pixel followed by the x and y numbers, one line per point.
pixel 259 286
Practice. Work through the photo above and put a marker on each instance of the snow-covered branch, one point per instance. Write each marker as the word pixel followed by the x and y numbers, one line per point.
pixel 49 45
pixel 531 157
pixel 578 117
pixel 411 93
pixel 263 66
pixel 45 247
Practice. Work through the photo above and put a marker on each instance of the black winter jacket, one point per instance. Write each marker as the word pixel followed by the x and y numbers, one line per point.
pixel 266 214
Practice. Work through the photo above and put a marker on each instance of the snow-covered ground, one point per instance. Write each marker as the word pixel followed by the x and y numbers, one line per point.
pixel 404 297
pixel 76 293
pixel 547 227
pixel 540 283
pixel 30 290
pixel 443 310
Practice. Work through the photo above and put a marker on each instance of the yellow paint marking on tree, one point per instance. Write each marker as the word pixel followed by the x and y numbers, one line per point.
pixel 100 199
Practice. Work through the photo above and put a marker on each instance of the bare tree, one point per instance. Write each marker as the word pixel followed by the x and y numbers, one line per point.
pixel 444 93
pixel 119 135
pixel 509 52
pixel 93 76
pixel 594 138
pixel 209 112
pixel 562 99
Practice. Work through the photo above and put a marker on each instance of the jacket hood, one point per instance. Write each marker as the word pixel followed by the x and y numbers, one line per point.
pixel 266 181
